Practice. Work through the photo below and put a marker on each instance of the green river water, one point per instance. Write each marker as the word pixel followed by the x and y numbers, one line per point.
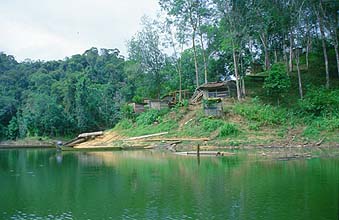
pixel 45 184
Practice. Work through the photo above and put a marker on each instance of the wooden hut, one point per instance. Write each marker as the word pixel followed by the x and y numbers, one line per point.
pixel 137 107
pixel 156 104
pixel 218 90
pixel 212 95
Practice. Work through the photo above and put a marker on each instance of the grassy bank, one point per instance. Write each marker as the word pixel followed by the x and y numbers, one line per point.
pixel 258 120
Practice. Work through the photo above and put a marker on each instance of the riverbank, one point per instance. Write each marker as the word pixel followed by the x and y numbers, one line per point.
pixel 112 141
pixel 247 125
pixel 28 143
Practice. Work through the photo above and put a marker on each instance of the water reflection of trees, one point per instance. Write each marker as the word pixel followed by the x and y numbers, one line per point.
pixel 158 184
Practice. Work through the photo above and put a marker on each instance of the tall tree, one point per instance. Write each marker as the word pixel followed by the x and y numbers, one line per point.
pixel 145 49
pixel 186 14
pixel 175 39
pixel 234 28
pixel 331 20
pixel 319 10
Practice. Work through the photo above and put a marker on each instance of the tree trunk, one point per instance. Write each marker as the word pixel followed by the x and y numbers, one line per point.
pixel 243 87
pixel 321 26
pixel 242 81
pixel 290 67
pixel 337 56
pixel 308 46
pixel 236 73
pixel 180 79
pixel 204 56
pixel 267 58
pixel 195 60
pixel 178 65
pixel 299 77
pixel 275 56
pixel 285 58
pixel 307 53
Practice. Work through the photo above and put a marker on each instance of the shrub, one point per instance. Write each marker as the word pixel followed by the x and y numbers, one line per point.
pixel 311 132
pixel 151 116
pixel 127 111
pixel 211 124
pixel 260 113
pixel 137 99
pixel 228 129
pixel 278 82
pixel 124 124
pixel 319 101
pixel 326 124
pixel 13 129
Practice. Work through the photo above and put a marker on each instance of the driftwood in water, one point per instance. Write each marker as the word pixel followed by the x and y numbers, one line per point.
pixel 83 138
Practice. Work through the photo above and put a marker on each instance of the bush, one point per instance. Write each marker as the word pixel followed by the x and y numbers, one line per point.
pixel 13 129
pixel 311 132
pixel 278 82
pixel 127 111
pixel 211 125
pixel 151 116
pixel 325 124
pixel 138 99
pixel 124 124
pixel 319 102
pixel 228 129
pixel 262 114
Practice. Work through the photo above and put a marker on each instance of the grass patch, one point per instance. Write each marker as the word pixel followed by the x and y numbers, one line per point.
pixel 228 129
pixel 167 126
pixel 124 124
pixel 211 125
pixel 262 114
pixel 311 132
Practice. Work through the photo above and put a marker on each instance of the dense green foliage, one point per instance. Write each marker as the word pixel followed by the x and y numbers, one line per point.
pixel 263 114
pixel 192 42
pixel 278 82
pixel 60 98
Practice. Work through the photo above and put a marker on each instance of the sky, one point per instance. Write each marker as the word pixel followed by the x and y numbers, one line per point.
pixel 55 29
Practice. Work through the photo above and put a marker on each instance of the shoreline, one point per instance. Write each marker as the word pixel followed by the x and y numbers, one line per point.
pixel 22 144
pixel 278 151
pixel 15 146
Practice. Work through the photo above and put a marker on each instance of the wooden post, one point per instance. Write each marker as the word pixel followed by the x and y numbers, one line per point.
pixel 198 154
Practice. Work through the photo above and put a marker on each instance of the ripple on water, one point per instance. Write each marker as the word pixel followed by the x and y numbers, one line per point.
pixel 20 215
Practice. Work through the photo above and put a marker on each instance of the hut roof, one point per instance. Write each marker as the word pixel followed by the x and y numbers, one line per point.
pixel 213 85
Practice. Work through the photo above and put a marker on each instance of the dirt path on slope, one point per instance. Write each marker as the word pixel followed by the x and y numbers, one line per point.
pixel 189 116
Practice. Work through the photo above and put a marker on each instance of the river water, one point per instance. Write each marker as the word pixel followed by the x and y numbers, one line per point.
pixel 45 184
